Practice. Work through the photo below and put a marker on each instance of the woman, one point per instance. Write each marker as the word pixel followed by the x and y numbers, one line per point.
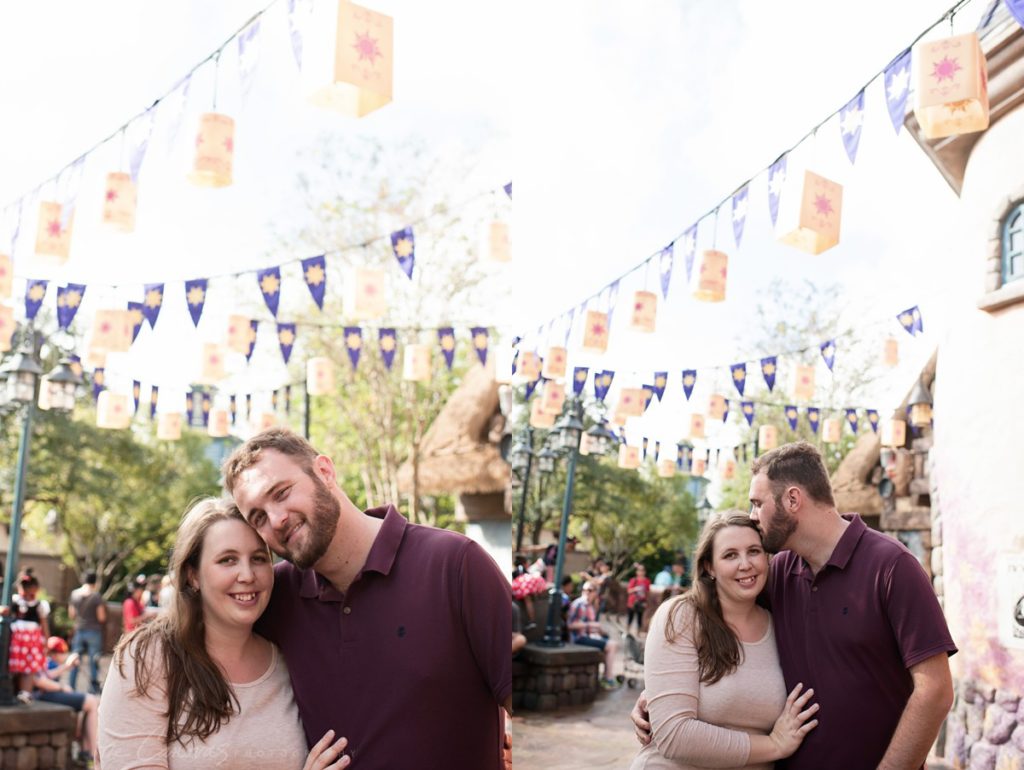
pixel 132 609
pixel 714 687
pixel 195 687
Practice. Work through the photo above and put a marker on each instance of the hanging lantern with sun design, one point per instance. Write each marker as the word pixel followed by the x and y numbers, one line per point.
pixel 215 151
pixel 810 213
pixel 952 86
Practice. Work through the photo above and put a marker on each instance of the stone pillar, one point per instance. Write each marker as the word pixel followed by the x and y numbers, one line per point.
pixel 36 737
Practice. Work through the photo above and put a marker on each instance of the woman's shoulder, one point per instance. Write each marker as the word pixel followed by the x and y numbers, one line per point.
pixel 678 613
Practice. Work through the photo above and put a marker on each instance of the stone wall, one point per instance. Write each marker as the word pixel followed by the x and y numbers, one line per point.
pixel 986 729
pixel 36 737
pixel 547 678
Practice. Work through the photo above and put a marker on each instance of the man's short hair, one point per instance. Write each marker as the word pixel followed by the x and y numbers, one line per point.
pixel 90 578
pixel 798 463
pixel 280 440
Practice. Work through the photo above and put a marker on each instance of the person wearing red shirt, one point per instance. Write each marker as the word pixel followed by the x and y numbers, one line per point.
pixel 132 609
pixel 638 588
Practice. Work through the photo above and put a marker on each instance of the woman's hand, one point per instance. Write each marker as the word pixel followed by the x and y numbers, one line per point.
pixel 325 755
pixel 792 726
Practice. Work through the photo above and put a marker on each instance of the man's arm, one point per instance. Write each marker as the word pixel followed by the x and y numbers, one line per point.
pixel 101 612
pixel 928 705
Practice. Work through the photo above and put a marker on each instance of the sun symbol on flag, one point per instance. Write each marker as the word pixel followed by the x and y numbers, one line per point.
pixel 286 337
pixel 353 341
pixel 606 380
pixel 111 195
pixel 873 417
pixel 581 376
pixel 154 298
pixel 366 48
pixel 37 292
pixel 315 275
pixel 269 284
pixel 823 205
pixel 748 409
pixel 387 344
pixel 851 417
pixel 768 369
pixel 660 381
pixel 196 295
pixel 739 375
pixel 791 413
pixel 403 247
pixel 828 351
pixel 136 317
pixel 53 228
pixel 98 377
pixel 945 69
pixel 480 341
pixel 688 380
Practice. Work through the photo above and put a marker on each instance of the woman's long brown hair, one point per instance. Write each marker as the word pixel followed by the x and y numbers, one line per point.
pixel 718 650
pixel 199 697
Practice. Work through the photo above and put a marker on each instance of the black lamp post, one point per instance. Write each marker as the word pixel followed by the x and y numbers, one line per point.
pixel 22 373
pixel 703 512
pixel 521 458
pixel 567 434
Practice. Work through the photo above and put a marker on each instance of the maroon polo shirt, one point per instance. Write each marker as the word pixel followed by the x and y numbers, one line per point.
pixel 412 662
pixel 852 632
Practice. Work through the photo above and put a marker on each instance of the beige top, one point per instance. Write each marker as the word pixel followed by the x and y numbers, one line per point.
pixel 266 733
pixel 697 725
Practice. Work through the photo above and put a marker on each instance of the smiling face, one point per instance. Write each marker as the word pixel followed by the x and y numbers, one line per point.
pixel 767 511
pixel 739 564
pixel 294 511
pixel 235 575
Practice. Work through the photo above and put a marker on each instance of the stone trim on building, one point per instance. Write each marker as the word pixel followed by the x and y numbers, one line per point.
pixel 997 294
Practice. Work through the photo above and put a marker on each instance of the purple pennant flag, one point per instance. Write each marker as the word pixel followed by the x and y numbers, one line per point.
pixel 403 243
pixel 354 345
pixel 270 287
pixel 76 364
pixel 99 384
pixel 873 419
pixel 248 406
pixel 813 417
pixel 643 445
pixel 828 352
pixel 69 299
pixel 657 450
pixel 195 296
pixel 665 268
pixel 660 382
pixel 286 338
pixel 579 379
pixel 152 302
pixel 851 120
pixel 689 250
pixel 287 400
pixel 508 190
pixel 173 106
pixel 480 343
pixel 446 339
pixel 136 394
pixel 906 319
pixel 1016 8
pixel 725 414
pixel 748 411
pixel 207 402
pixel 388 344
pixel 568 325
pixel 768 368
pixel 314 272
pixel 253 327
pixel 530 387
pixel 273 400
pixel 918 323
pixel 791 416
pixel 248 55
pixel 35 290
pixel 648 396
pixel 138 150
pixel 295 29
pixel 689 380
pixel 739 213
pixel 603 383
pixel 613 298
pixel 776 180
pixel 135 313
pixel 739 376
pixel 897 88
pixel 851 418
pixel 233 409
pixel 154 396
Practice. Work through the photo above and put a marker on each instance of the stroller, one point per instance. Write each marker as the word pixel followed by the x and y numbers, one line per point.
pixel 632 657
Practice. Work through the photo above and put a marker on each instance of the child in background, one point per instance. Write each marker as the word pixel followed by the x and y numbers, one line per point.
pixel 28 634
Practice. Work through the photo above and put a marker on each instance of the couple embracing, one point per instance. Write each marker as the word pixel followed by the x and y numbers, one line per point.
pixel 843 619
pixel 376 643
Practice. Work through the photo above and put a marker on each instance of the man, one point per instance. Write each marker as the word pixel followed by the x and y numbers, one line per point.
pixel 395 635
pixel 855 618
pixel 585 630
pixel 89 612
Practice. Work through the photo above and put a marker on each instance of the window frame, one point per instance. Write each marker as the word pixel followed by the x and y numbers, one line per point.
pixel 1015 217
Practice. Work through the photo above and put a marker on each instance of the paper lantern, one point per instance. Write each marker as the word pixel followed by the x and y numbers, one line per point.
pixel 553 398
pixel 347 58
pixel 767 438
pixel 696 426
pixel 951 96
pixel 700 467
pixel 319 376
pixel 809 213
pixel 666 468
pixel 44 396
pixel 729 469
pixel 803 383
pixel 595 332
pixel 215 151
pixel 528 367
pixel 96 359
pixel 716 407
pixel 585 444
pixel 631 402
pixel 894 433
pixel 711 276
pixel 6 327
pixel 416 363
pixel 262 421
pixel 168 426
pixel 497 243
pixel 831 431
pixel 53 235
pixel 619 419
pixel 502 357
pixel 892 352
pixel 6 276
pixel 220 423
pixel 111 332
pixel 239 330
pixel 113 410
pixel 538 417
pixel 645 312
pixel 554 363
pixel 629 456
pixel 365 297
pixel 213 364
pixel 119 202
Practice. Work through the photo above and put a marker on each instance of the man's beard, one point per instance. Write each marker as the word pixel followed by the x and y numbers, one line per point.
pixel 322 525
pixel 778 528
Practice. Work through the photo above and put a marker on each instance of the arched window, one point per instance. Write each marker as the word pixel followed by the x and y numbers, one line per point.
pixel 1013 244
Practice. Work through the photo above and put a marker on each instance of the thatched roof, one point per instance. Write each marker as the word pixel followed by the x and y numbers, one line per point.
pixel 459 452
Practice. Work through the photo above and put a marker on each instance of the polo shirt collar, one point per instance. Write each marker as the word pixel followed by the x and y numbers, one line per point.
pixel 380 558
pixel 844 548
